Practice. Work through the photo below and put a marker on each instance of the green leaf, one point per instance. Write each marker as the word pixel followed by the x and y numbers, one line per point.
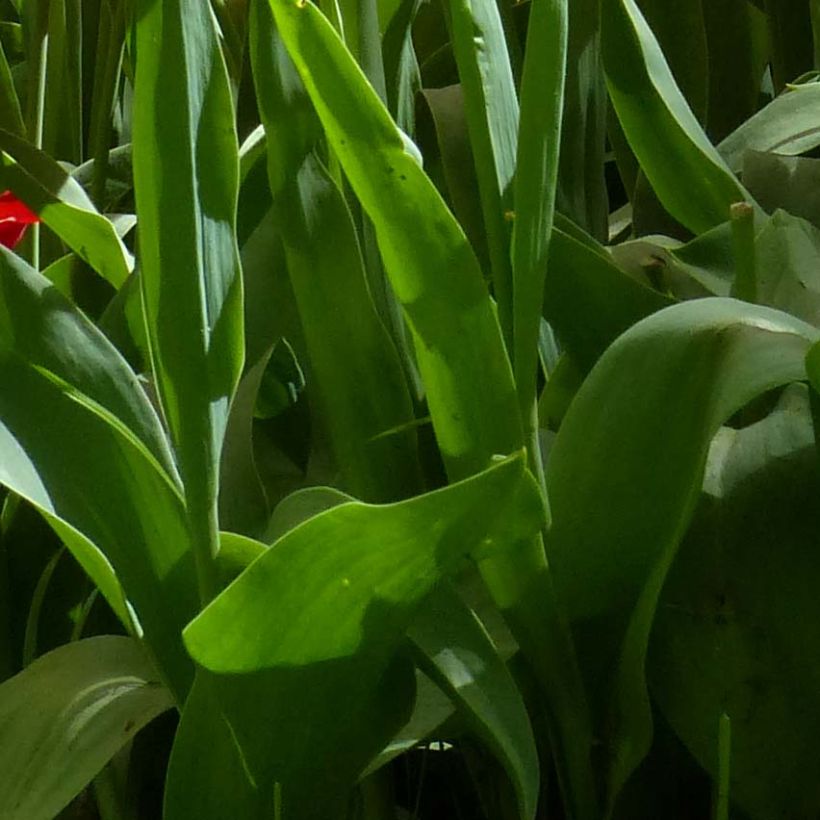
pixel 491 106
pixel 469 384
pixel 698 187
pixel 737 628
pixel 10 113
pixel 347 583
pixel 79 439
pixel 536 179
pixel 458 654
pixel 582 193
pixel 787 125
pixel 588 300
pixel 358 383
pixel 66 715
pixel 186 171
pixel 784 182
pixel 63 205
pixel 689 368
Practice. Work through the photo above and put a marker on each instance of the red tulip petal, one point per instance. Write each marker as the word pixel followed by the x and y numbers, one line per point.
pixel 12 209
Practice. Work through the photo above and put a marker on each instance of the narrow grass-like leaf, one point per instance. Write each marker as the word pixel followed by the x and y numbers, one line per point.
pixel 186 181
pixel 697 188
pixel 63 205
pixel 668 384
pixel 340 618
pixel 358 379
pixel 66 715
pixel 539 140
pixel 491 104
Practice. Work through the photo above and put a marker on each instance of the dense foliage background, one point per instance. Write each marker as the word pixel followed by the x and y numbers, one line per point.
pixel 407 409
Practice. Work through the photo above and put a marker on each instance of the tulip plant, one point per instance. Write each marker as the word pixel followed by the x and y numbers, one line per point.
pixel 407 409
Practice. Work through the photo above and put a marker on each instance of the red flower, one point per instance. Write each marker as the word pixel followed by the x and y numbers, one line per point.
pixel 15 217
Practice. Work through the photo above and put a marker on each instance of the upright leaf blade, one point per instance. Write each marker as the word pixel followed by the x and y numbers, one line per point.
pixel 491 105
pixel 542 103
pixel 186 181
pixel 357 376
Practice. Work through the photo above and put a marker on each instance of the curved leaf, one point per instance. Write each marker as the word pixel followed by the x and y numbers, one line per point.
pixel 65 716
pixel 787 125
pixel 698 187
pixel 667 385
pixel 48 189
pixel 347 583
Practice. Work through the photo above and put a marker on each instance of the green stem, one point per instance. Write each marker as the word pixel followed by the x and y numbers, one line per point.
pixel 743 247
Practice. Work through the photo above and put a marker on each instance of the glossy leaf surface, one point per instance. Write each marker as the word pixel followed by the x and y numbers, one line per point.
pixel 66 715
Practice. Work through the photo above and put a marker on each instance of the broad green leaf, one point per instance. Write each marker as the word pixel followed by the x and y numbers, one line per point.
pixel 459 347
pixel 787 125
pixel 589 301
pixel 737 626
pixel 47 331
pixel 784 182
pixel 788 266
pixel 704 266
pixel 62 114
pixel 347 583
pixel 539 140
pixel 66 715
pixel 186 181
pixel 80 440
pixel 459 655
pixel 698 187
pixel 667 384
pixel 207 777
pixel 63 205
pixel 358 381
pixel 491 106
pixel 243 504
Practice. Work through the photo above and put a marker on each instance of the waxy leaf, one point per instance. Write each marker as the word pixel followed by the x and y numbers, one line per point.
pixel 61 203
pixel 697 188
pixel 80 440
pixel 347 583
pixel 65 716
pixel 186 169
pixel 663 388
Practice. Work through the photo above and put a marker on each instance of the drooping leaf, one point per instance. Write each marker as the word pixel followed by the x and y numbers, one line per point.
pixel 63 205
pixel 81 441
pixel 667 384
pixel 459 655
pixel 698 187
pixel 787 125
pixel 737 627
pixel 340 618
pixel 66 715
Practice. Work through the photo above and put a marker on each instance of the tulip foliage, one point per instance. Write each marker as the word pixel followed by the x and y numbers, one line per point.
pixel 407 409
